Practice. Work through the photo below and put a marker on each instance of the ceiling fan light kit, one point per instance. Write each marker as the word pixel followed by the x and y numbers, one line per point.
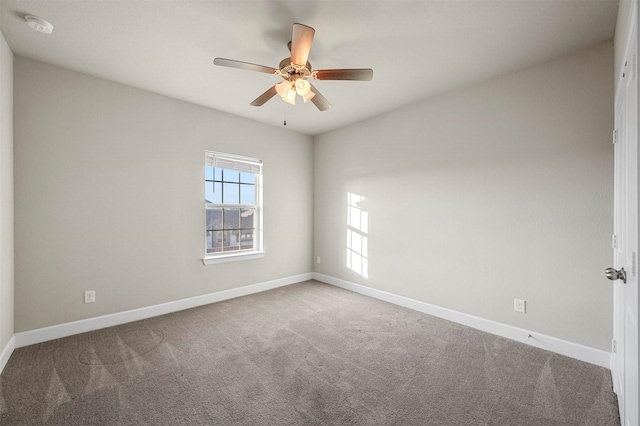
pixel 295 70
pixel 287 90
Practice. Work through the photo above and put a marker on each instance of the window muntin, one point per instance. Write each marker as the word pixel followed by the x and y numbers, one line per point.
pixel 232 205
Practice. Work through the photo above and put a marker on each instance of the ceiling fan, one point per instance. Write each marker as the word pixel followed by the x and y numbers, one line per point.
pixel 295 71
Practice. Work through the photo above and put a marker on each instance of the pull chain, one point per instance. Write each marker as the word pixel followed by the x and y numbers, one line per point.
pixel 284 113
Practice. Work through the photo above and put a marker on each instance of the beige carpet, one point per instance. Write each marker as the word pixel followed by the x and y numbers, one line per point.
pixel 305 354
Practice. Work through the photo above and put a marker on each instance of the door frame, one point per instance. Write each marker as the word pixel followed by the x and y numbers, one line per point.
pixel 625 377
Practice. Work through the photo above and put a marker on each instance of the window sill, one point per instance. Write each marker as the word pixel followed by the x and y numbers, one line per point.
pixel 233 257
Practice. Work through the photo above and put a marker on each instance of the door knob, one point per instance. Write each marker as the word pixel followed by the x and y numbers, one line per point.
pixel 613 274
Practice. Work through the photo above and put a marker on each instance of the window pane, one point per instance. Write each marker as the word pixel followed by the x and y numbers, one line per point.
pixel 248 194
pixel 231 218
pixel 214 241
pixel 230 175
pixel 246 218
pixel 246 239
pixel 214 219
pixel 217 175
pixel 208 173
pixel 231 240
pixel 246 177
pixel 213 192
pixel 231 193
pixel 208 192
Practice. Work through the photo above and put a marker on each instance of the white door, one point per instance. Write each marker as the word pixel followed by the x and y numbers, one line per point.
pixel 625 325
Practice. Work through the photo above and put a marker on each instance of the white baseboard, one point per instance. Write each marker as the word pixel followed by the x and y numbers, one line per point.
pixel 6 353
pixel 67 329
pixel 553 344
pixel 559 346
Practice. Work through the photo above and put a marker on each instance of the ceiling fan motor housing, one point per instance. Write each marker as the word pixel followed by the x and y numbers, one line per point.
pixel 291 72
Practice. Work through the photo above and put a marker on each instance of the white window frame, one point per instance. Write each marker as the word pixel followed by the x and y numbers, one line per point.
pixel 244 164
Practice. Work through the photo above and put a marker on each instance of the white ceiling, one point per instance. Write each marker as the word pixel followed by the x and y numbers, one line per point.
pixel 417 49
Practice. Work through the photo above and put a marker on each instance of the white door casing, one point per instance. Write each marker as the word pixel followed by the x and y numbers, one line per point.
pixel 624 365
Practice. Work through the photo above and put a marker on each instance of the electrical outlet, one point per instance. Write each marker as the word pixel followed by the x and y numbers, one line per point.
pixel 89 296
pixel 318 260
pixel 519 305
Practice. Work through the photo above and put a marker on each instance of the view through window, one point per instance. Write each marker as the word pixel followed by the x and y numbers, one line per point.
pixel 232 196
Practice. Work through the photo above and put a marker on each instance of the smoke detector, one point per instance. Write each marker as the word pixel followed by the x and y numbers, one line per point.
pixel 39 24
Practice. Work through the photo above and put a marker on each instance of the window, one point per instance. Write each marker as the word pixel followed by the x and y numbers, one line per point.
pixel 233 207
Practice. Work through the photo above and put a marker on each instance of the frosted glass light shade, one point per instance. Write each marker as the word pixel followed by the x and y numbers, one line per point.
pixel 290 97
pixel 302 86
pixel 283 88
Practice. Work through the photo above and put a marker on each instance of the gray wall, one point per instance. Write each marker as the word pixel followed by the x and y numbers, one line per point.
pixel 6 193
pixel 497 191
pixel 109 192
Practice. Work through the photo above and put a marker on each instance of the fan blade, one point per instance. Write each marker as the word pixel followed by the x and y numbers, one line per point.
pixel 243 65
pixel 301 40
pixel 262 99
pixel 361 74
pixel 320 101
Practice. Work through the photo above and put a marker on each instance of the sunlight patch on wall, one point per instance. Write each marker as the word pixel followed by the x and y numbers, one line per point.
pixel 357 230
